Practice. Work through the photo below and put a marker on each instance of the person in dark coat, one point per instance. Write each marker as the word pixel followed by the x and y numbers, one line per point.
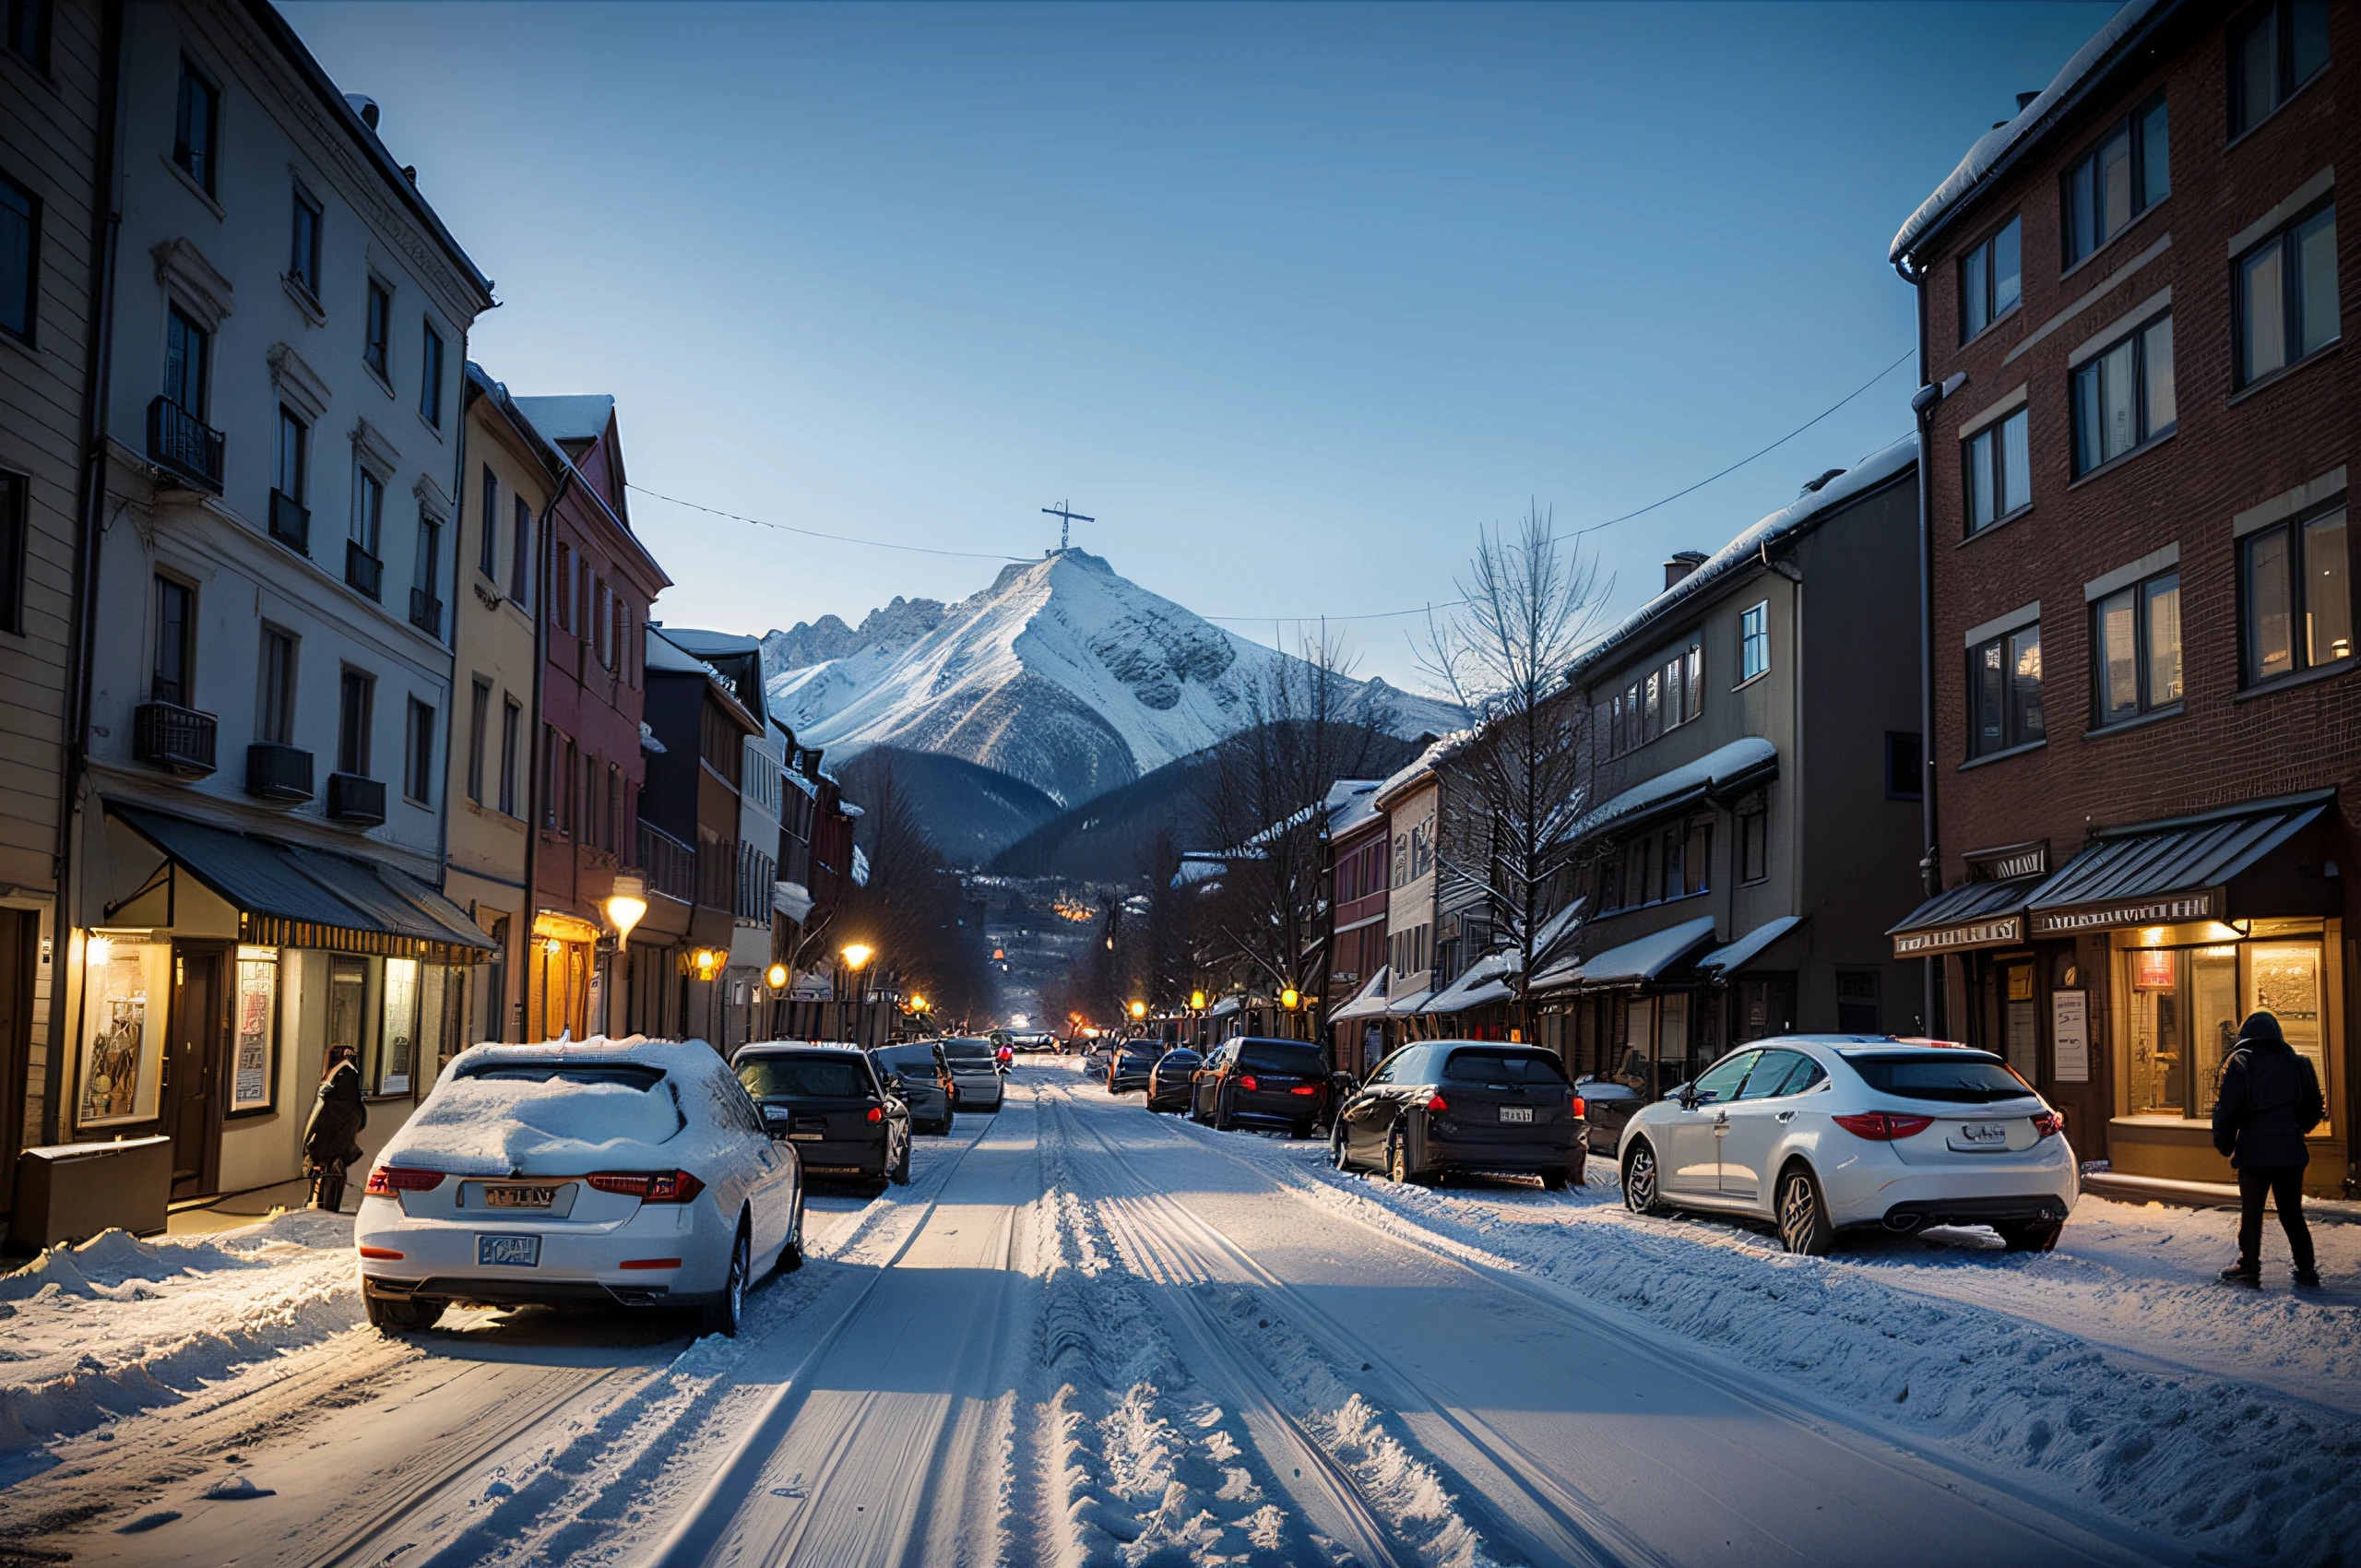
pixel 2270 1098
pixel 332 1137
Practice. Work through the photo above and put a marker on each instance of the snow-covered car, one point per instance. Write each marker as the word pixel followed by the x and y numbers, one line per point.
pixel 634 1173
pixel 1821 1132
pixel 974 1076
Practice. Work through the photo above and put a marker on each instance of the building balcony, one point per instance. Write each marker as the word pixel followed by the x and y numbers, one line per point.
pixel 357 799
pixel 290 522
pixel 363 571
pixel 670 865
pixel 181 443
pixel 426 613
pixel 279 773
pixel 179 740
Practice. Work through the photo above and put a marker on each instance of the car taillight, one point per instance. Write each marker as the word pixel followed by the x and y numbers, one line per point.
pixel 1305 1088
pixel 648 1186
pixel 2048 1124
pixel 1575 1108
pixel 388 1179
pixel 1436 1102
pixel 1247 1082
pixel 876 1113
pixel 1883 1127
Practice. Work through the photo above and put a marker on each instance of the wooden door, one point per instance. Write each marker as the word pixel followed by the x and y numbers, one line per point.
pixel 192 1079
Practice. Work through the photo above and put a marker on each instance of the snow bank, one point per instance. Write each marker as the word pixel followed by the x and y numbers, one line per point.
pixel 117 1324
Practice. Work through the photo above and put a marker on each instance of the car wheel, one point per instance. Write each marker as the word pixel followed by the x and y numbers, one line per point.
pixel 1397 1159
pixel 395 1316
pixel 1223 1119
pixel 901 1172
pixel 1640 1193
pixel 1803 1216
pixel 724 1315
pixel 2029 1235
pixel 1336 1149
pixel 791 1252
pixel 1555 1180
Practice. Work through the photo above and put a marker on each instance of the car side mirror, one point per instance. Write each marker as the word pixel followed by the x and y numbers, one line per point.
pixel 1687 1097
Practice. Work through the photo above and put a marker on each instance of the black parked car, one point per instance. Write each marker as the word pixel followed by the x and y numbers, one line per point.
pixel 1440 1106
pixel 1607 1104
pixel 1132 1064
pixel 971 1069
pixel 1263 1080
pixel 912 1073
pixel 828 1102
pixel 1169 1081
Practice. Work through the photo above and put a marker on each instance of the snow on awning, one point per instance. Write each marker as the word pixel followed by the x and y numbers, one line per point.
pixel 1729 959
pixel 1483 980
pixel 791 899
pixel 1223 1008
pixel 1369 1002
pixel 1723 769
pixel 859 866
pixel 1413 1002
pixel 1634 963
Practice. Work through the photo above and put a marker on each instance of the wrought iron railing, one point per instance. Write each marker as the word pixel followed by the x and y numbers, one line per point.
pixel 426 613
pixel 165 734
pixel 178 440
pixel 362 570
pixel 290 522
pixel 276 772
pixel 355 798
pixel 670 865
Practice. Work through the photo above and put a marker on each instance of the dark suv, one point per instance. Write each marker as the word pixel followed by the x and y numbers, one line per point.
pixel 1263 1080
pixel 828 1101
pixel 1439 1106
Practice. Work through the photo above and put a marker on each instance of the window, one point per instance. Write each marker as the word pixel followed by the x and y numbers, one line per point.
pixel 368 508
pixel 27 35
pixel 488 519
pixel 2135 639
pixel 376 331
pixel 418 762
pixel 13 501
pixel 430 377
pixel 173 679
pixel 356 699
pixel 293 438
pixel 2273 50
pixel 275 720
pixel 2120 178
pixel 1697 858
pixel 2295 587
pixel 196 129
pixel 2004 692
pixel 187 348
pixel 427 575
pixel 550 756
pixel 1754 641
pixel 1754 846
pixel 303 246
pixel 512 721
pixel 2123 398
pixel 520 567
pixel 1904 761
pixel 2287 296
pixel 1857 1002
pixel 2000 471
pixel 1991 279
pixel 561 574
pixel 20 272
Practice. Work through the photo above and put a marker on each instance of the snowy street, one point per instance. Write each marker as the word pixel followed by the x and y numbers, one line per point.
pixel 1086 1334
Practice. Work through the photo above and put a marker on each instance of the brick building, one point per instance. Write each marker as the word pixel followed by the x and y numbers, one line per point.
pixel 2145 766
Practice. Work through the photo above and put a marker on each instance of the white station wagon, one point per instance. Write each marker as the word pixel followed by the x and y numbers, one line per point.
pixel 1820 1132
pixel 632 1173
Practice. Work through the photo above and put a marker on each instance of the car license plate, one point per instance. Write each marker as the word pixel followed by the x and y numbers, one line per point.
pixel 806 1137
pixel 509 1251
pixel 1981 1135
pixel 1516 1113
pixel 519 1197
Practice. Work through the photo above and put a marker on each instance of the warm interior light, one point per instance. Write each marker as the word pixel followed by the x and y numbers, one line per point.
pixel 776 977
pixel 858 952
pixel 100 948
pixel 554 947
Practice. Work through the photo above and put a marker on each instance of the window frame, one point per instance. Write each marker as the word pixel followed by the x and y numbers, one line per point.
pixel 431 360
pixel 512 734
pixel 194 333
pixel 2011 738
pixel 43 16
pixel 356 717
pixel 299 469
pixel 2293 530
pixel 2134 124
pixel 275 710
pixel 166 585
pixel 1994 435
pixel 2146 434
pixel 2144 703
pixel 303 258
pixel 488 511
pixel 2239 116
pixel 2291 299
pixel 367 528
pixel 418 755
pixel 206 173
pixel 1754 634
pixel 30 300
pixel 1987 289
pixel 520 581
pixel 377 330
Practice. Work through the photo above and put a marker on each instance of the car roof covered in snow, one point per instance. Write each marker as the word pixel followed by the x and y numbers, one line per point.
pixel 781 1047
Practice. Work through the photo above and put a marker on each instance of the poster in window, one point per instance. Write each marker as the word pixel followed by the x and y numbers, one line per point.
pixel 2286 979
pixel 2069 1036
pixel 401 1025
pixel 125 1002
pixel 257 1032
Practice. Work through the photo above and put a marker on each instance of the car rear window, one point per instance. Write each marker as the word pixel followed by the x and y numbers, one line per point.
pixel 966 1050
pixel 1140 1053
pixel 624 1074
pixel 1504 1067
pixel 1964 1077
pixel 1282 1057
pixel 907 1060
pixel 773 1078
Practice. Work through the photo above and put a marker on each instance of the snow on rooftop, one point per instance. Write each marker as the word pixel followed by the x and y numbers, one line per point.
pixel 1716 767
pixel 580 416
pixel 1357 805
pixel 1434 756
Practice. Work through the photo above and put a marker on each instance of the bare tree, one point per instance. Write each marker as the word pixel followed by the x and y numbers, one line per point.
pixel 913 909
pixel 1529 609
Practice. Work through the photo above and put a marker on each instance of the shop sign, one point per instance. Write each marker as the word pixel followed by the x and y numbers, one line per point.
pixel 1998 931
pixel 2165 910
pixel 2069 1036
pixel 2010 863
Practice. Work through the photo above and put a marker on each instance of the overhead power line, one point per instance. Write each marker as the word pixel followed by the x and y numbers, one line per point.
pixel 838 537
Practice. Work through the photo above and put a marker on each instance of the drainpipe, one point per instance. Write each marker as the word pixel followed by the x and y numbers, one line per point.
pixel 1923 403
pixel 89 504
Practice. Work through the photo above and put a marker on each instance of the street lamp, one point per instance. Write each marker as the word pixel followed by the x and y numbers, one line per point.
pixel 626 902
pixel 1290 999
pixel 1139 1011
pixel 855 954
pixel 776 977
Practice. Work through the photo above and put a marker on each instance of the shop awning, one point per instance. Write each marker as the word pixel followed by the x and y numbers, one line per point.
pixel 1727 960
pixel 1636 962
pixel 1974 914
pixel 2212 866
pixel 290 896
pixel 1402 1006
pixel 1369 1002
pixel 1223 1008
pixel 1484 981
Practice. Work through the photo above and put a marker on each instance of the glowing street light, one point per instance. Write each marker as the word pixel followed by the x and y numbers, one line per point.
pixel 857 954
pixel 626 904
pixel 1196 1000
pixel 1139 1011
pixel 776 977
pixel 1290 999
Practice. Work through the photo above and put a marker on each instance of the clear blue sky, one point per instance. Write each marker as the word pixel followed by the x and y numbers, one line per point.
pixel 1292 299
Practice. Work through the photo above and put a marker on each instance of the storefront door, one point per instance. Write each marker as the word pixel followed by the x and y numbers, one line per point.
pixel 193 1051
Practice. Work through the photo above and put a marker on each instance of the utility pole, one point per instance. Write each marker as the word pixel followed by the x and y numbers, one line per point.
pixel 1066 519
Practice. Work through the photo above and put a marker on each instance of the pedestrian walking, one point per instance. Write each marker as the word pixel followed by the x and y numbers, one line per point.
pixel 2270 1098
pixel 332 1137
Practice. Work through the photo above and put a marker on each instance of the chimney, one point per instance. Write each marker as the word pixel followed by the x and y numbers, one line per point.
pixel 2024 101
pixel 364 106
pixel 1683 562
